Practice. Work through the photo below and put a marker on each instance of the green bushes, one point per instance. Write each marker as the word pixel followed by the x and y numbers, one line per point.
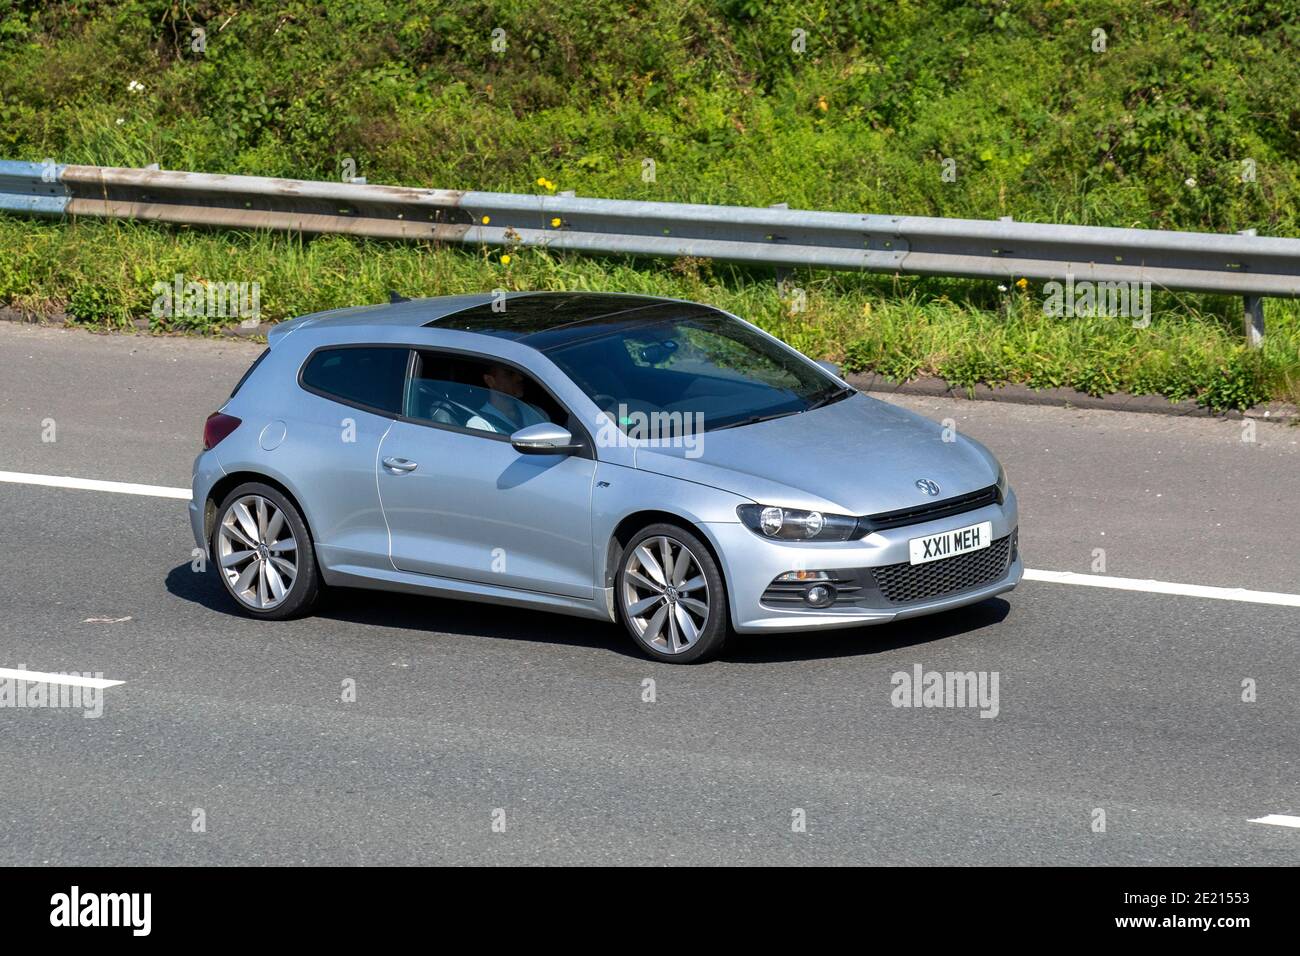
pixel 1183 354
pixel 1039 125
pixel 96 305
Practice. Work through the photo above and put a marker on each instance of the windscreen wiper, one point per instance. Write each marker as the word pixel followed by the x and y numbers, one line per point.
pixel 755 419
pixel 843 391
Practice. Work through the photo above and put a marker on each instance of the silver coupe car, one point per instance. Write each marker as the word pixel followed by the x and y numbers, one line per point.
pixel 652 461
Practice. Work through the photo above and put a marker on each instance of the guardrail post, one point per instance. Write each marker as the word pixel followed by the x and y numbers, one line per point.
pixel 1254 312
pixel 1254 320
pixel 782 272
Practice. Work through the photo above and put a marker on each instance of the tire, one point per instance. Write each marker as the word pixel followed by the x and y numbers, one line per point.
pixel 241 553
pixel 668 636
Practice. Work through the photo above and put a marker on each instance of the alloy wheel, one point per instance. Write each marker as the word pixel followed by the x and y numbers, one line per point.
pixel 665 594
pixel 258 552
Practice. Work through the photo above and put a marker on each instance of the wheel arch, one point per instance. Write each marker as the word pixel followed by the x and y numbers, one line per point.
pixel 227 483
pixel 630 524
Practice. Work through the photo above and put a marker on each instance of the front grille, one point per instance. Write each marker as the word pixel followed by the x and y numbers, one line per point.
pixel 930 511
pixel 905 583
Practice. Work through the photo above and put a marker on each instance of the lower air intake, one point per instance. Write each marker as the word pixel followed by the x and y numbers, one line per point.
pixel 905 583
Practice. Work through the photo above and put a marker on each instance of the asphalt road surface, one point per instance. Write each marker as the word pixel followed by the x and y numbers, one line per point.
pixel 229 741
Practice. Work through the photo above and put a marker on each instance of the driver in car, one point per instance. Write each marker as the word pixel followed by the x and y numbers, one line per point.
pixel 505 412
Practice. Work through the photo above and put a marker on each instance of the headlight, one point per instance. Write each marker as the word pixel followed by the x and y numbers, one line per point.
pixel 1003 486
pixel 791 524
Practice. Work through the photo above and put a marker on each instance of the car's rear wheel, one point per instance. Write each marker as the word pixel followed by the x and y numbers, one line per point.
pixel 671 596
pixel 264 554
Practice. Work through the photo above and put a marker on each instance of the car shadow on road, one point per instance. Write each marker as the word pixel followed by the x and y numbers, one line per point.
pixel 416 612
pixel 859 641
pixel 470 618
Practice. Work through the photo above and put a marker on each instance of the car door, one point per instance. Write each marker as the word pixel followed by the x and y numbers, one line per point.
pixel 461 503
pixel 350 396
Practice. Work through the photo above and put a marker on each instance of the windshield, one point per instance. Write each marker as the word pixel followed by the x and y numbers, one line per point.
pixel 693 362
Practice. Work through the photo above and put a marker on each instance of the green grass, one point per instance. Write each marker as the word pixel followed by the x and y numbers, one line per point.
pixel 1155 131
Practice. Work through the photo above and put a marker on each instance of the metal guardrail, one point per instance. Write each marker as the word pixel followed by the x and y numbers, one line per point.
pixel 1243 264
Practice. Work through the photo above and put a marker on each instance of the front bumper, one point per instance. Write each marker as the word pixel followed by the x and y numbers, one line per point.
pixel 751 563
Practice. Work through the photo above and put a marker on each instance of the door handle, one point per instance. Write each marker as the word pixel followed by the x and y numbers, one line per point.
pixel 400 465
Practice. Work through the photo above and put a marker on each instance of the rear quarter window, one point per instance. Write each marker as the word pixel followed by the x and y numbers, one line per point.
pixel 369 376
pixel 251 369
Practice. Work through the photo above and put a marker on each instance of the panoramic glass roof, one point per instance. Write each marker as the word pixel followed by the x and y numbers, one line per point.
pixel 545 320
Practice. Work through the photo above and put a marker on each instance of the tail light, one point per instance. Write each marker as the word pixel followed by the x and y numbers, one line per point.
pixel 217 427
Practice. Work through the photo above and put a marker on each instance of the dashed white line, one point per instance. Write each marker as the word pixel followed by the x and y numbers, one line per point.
pixel 1164 587
pixel 71 680
pixel 1031 574
pixel 94 484
pixel 1278 820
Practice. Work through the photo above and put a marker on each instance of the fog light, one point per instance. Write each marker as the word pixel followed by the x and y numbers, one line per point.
pixel 820 595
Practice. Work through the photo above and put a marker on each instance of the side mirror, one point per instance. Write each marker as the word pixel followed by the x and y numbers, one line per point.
pixel 831 367
pixel 544 438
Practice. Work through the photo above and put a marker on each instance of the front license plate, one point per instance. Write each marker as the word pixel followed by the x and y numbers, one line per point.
pixel 936 547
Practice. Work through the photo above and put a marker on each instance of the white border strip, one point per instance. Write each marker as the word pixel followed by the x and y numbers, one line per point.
pixel 94 484
pixel 71 680
pixel 1278 820
pixel 1164 587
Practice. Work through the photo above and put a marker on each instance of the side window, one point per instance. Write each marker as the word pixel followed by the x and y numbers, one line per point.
pixel 369 376
pixel 462 392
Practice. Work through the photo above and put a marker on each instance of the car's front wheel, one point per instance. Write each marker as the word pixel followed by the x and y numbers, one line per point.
pixel 671 596
pixel 264 553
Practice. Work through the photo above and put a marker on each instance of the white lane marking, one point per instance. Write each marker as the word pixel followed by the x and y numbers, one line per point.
pixel 94 484
pixel 71 680
pixel 1278 820
pixel 1031 574
pixel 1164 587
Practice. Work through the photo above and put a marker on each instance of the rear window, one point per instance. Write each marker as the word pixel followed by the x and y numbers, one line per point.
pixel 368 376
pixel 251 369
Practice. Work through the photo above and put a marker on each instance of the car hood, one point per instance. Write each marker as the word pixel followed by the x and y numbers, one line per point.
pixel 858 456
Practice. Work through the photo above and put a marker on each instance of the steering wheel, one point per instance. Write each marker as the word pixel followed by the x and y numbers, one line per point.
pixel 458 413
